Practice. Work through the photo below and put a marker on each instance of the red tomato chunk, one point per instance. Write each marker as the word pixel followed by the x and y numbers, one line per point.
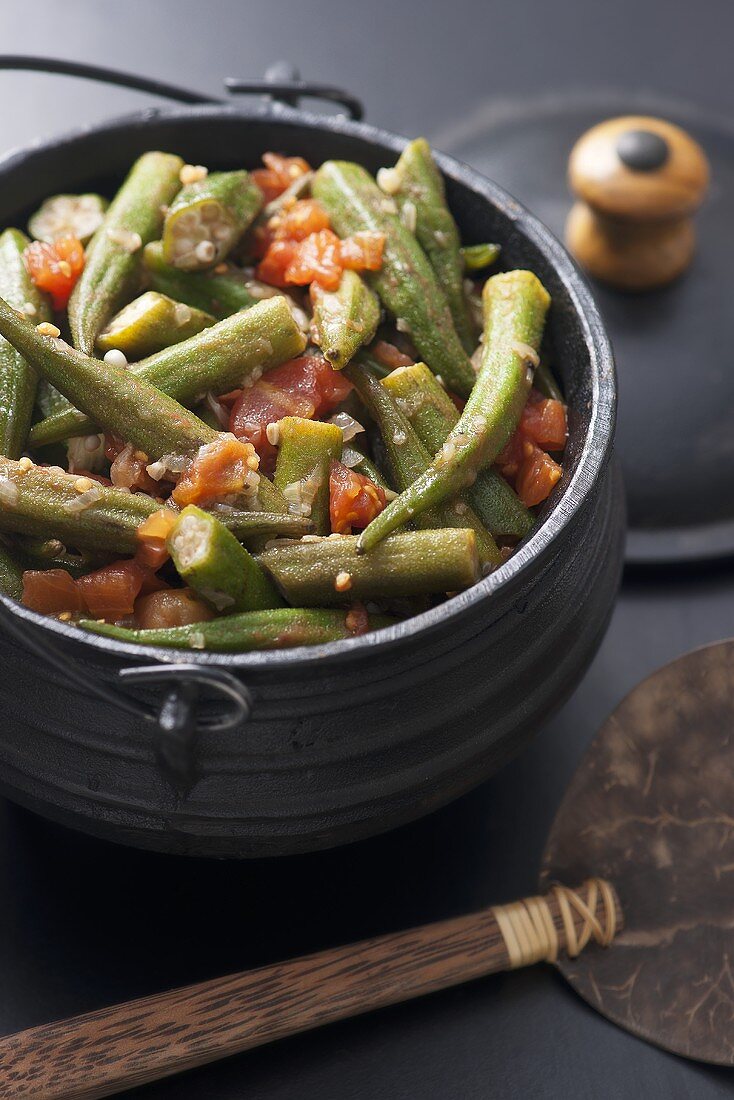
pixel 55 267
pixel 51 591
pixel 307 386
pixel 219 469
pixel 279 173
pixel 354 500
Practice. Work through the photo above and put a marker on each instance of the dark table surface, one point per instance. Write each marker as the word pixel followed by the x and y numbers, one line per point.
pixel 84 924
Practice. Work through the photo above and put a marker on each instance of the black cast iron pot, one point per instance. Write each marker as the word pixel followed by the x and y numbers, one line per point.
pixel 272 753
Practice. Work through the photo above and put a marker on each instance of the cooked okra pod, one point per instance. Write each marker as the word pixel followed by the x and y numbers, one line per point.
pixel 419 395
pixel 409 459
pixel 77 216
pixel 478 256
pixel 112 266
pixel 18 380
pixel 345 318
pixel 217 359
pixel 307 449
pixel 149 323
pixel 44 501
pixel 46 553
pixel 219 295
pixel 332 571
pixel 421 197
pixel 211 561
pixel 406 282
pixel 117 399
pixel 208 218
pixel 11 574
pixel 515 304
pixel 278 629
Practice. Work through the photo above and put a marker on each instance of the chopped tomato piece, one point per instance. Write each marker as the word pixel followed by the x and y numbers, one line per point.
pixel 390 356
pixel 275 263
pixel 219 469
pixel 152 534
pixel 320 257
pixel 316 259
pixel 51 591
pixel 55 267
pixel 537 475
pixel 543 421
pixel 304 217
pixel 110 592
pixel 354 500
pixel 511 455
pixel 279 173
pixel 363 251
pixel 172 607
pixel 307 386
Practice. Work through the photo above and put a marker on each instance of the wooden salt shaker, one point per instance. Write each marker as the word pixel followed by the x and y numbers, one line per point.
pixel 637 180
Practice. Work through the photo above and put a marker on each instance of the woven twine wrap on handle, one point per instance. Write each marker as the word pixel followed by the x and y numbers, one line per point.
pixel 530 933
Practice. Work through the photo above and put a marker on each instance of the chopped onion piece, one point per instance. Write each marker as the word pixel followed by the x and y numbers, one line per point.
pixel 218 409
pixel 349 426
pixel 8 492
pixel 84 500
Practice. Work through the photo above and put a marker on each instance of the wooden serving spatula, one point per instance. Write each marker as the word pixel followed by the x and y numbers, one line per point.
pixel 646 827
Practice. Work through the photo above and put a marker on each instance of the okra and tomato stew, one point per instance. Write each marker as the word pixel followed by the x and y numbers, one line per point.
pixel 255 409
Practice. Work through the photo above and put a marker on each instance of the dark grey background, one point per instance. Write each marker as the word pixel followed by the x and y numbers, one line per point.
pixel 83 924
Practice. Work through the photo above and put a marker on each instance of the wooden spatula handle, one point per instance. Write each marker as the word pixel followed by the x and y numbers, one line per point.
pixel 141 1041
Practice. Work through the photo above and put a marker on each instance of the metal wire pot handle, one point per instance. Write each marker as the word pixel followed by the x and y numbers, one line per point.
pixel 176 721
pixel 282 83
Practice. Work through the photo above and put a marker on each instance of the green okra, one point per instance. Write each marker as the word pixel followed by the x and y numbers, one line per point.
pixel 307 449
pixel 375 367
pixel 332 571
pixel 11 574
pixel 409 459
pixel 345 318
pixel 211 561
pixel 112 268
pixel 18 380
pixel 422 198
pixel 59 216
pixel 216 359
pixel 45 502
pixel 150 323
pixel 44 553
pixel 406 283
pixel 545 381
pixel 220 295
pixel 207 219
pixel 515 305
pixel 118 400
pixel 419 395
pixel 281 628
pixel 478 256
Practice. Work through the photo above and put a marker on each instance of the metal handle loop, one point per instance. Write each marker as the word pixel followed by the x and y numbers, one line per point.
pixel 217 679
pixel 279 85
pixel 105 76
pixel 223 683
pixel 283 85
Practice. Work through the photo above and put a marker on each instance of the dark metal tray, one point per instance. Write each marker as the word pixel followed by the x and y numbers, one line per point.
pixel 674 347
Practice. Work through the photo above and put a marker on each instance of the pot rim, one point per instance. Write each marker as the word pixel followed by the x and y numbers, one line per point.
pixel 591 462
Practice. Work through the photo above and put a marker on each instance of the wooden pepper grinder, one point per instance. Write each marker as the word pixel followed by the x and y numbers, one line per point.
pixel 637 180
